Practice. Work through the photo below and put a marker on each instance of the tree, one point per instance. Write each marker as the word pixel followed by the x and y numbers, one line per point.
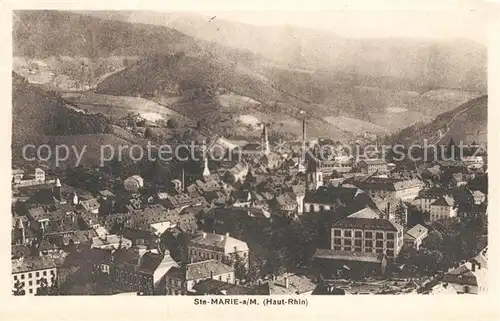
pixel 44 287
pixel 433 241
pixel 240 270
pixel 18 288
pixel 172 123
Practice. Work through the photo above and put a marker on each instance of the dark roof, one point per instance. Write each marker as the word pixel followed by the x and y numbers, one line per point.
pixel 444 201
pixel 331 194
pixel 366 224
pixel 215 287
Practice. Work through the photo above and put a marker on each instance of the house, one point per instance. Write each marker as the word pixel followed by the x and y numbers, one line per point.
pixel 136 269
pixel 133 183
pixel 181 280
pixel 367 235
pixel 414 236
pixel 404 189
pixel 479 197
pixel 371 166
pixel 286 284
pixel 31 272
pixel 17 175
pixel 428 196
pixel 90 205
pixel 443 207
pixel 326 198
pixel 238 172
pixel 222 248
pixel 458 179
pixel 287 204
pixel 471 277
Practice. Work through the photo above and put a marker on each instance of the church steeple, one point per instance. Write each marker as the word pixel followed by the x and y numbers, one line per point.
pixel 265 140
pixel 302 159
pixel 206 171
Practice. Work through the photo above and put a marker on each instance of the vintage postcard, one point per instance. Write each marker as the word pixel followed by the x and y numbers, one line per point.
pixel 225 159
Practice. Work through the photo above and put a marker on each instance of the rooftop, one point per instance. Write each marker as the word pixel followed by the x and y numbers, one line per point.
pixel 348 256
pixel 416 232
pixel 367 224
pixel 32 263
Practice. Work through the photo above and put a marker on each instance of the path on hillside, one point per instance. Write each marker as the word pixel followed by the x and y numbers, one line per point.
pixel 448 127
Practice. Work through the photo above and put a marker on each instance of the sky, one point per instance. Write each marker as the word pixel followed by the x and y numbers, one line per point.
pixel 466 22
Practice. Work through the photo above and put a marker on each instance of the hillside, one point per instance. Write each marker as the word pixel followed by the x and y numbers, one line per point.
pixel 456 63
pixel 37 113
pixel 194 77
pixel 468 122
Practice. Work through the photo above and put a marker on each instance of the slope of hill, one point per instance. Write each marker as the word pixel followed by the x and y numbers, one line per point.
pixel 452 64
pixel 467 123
pixel 37 113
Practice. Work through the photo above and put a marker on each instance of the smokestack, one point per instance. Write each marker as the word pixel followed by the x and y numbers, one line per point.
pixel 183 186
pixel 286 282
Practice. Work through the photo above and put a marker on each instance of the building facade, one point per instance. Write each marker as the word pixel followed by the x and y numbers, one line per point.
pixel 365 235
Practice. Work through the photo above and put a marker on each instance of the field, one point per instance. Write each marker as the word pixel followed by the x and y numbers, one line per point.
pixel 120 106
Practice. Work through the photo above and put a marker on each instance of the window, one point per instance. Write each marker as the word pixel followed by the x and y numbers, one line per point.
pixel 357 249
pixel 379 244
pixel 44 273
pixel 347 242
pixel 37 274
pixel 31 291
pixel 15 277
pixel 390 235
pixel 379 251
pixel 390 244
pixel 337 241
pixel 30 283
pixel 347 233
pixel 390 253
pixel 37 282
pixel 368 235
pixel 368 249
pixel 220 277
pixel 357 242
pixel 336 248
pixel 347 249
pixel 358 234
pixel 336 232
pixel 369 243
pixel 379 235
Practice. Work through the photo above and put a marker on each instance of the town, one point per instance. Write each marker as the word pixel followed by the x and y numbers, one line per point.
pixel 271 219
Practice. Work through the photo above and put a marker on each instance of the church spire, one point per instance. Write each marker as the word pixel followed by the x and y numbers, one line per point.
pixel 206 171
pixel 265 140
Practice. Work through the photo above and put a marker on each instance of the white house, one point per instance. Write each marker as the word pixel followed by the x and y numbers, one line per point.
pixel 133 183
pixel 443 207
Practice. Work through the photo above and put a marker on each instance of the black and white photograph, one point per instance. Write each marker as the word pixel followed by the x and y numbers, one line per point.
pixel 271 155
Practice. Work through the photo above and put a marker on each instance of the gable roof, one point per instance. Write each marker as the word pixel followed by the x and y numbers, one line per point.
pixel 444 201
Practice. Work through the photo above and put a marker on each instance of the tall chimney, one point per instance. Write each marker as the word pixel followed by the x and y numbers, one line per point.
pixel 183 184
pixel 286 282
